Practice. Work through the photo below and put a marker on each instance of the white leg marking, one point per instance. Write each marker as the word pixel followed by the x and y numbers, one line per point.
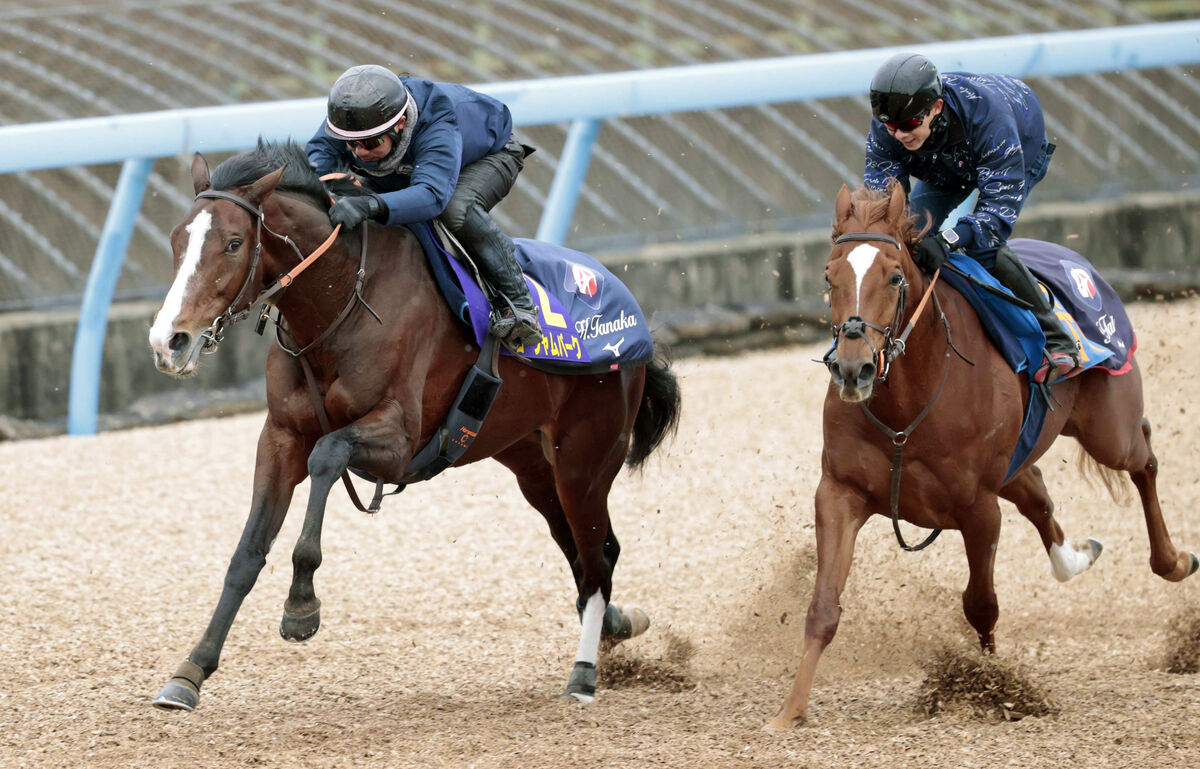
pixel 164 324
pixel 589 636
pixel 1067 561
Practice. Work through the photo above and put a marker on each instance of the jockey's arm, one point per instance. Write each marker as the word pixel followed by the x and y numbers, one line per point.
pixel 884 160
pixel 1001 184
pixel 326 154
pixel 437 155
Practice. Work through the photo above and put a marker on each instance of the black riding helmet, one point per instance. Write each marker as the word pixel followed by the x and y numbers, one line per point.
pixel 366 101
pixel 904 87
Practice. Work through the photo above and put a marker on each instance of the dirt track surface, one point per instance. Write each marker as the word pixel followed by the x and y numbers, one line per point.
pixel 449 623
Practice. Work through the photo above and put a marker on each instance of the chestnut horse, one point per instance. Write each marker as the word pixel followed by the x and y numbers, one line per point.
pixel 947 426
pixel 387 358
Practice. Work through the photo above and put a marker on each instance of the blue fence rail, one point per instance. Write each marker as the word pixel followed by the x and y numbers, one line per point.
pixel 583 101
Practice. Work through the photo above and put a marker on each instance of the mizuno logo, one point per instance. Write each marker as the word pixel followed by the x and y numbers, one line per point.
pixel 615 347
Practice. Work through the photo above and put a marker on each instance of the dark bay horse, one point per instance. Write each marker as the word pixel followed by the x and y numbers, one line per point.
pixel 955 424
pixel 387 358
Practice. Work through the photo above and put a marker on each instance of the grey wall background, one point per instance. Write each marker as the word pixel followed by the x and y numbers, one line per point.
pixel 715 218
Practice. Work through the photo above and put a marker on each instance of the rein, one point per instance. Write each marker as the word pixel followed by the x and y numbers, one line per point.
pixel 893 347
pixel 213 335
pixel 466 415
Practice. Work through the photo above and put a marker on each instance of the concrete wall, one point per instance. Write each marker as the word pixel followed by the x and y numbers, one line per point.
pixel 763 289
pixel 1157 232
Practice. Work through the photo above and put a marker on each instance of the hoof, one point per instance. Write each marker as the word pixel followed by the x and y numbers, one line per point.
pixel 781 723
pixel 623 624
pixel 1195 564
pixel 1097 547
pixel 582 685
pixel 178 694
pixel 300 627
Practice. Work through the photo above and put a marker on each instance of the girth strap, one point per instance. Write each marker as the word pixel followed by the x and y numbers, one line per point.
pixel 452 438
pixel 462 425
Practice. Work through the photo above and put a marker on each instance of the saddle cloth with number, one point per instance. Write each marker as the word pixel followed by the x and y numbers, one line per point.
pixel 1086 305
pixel 590 319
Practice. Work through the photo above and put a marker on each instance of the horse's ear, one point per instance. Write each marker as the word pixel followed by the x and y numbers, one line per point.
pixel 200 181
pixel 257 192
pixel 841 209
pixel 897 203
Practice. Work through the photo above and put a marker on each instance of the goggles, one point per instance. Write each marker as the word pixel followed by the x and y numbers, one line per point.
pixel 907 125
pixel 367 144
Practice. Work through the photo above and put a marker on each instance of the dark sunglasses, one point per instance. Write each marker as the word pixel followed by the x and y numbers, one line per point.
pixel 907 125
pixel 367 144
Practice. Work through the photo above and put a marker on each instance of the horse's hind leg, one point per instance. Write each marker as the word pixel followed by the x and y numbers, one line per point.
pixel 1108 424
pixel 1165 560
pixel 1028 492
pixel 536 478
pixel 586 455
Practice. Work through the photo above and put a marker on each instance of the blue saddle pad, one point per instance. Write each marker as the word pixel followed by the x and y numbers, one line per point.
pixel 590 319
pixel 1085 303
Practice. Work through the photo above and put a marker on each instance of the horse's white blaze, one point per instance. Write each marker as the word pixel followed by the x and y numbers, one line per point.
pixel 589 636
pixel 1066 561
pixel 164 324
pixel 861 259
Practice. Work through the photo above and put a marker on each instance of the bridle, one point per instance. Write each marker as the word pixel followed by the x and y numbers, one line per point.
pixel 892 348
pixel 212 336
pixel 855 327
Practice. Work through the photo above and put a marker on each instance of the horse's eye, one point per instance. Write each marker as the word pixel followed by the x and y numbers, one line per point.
pixel 897 279
pixel 233 246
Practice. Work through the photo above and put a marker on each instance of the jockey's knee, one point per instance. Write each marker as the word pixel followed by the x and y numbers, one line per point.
pixel 455 216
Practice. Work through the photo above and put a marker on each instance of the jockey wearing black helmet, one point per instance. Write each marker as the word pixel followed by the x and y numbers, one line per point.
pixel 955 134
pixel 430 150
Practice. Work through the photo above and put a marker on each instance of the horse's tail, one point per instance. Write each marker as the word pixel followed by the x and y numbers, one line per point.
pixel 658 413
pixel 1113 481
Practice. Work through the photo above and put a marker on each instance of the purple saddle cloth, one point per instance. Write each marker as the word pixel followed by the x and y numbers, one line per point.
pixel 590 319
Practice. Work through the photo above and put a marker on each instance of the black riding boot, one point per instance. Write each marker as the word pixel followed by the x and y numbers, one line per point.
pixel 1062 355
pixel 514 317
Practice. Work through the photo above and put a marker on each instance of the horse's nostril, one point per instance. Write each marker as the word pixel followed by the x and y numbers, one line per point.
pixel 835 373
pixel 180 341
pixel 866 375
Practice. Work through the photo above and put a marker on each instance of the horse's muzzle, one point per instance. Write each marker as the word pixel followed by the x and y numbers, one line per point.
pixel 854 379
pixel 178 355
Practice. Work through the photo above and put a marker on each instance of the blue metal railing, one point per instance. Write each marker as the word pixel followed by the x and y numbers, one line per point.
pixel 584 101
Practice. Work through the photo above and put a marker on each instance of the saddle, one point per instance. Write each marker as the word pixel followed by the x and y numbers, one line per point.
pixel 590 319
pixel 1085 304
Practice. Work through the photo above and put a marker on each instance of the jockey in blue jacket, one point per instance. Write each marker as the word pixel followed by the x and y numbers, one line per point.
pixel 954 134
pixel 430 150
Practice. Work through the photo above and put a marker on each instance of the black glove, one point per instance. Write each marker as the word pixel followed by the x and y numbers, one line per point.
pixel 351 211
pixel 931 253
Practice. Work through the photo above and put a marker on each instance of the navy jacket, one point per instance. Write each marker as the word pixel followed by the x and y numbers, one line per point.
pixel 455 127
pixel 996 143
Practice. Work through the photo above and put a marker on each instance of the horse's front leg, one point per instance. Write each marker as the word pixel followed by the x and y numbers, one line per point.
pixel 981 534
pixel 377 440
pixel 279 468
pixel 841 512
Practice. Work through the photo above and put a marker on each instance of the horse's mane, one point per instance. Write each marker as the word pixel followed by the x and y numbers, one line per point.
pixel 868 206
pixel 250 166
